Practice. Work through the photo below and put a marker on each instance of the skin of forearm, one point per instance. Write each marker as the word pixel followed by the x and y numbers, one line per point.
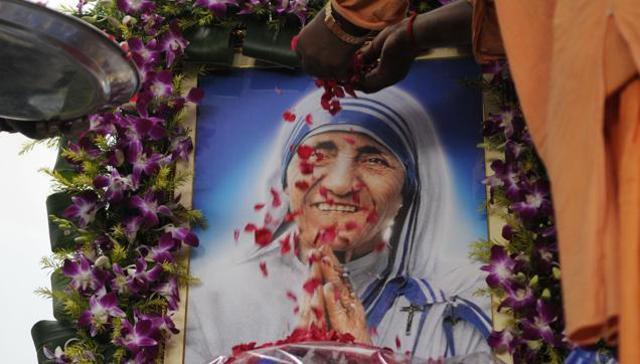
pixel 447 26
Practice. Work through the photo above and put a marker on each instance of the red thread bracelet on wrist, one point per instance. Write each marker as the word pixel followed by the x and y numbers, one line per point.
pixel 412 37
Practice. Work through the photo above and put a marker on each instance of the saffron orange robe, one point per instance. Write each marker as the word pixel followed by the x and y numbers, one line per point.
pixel 575 64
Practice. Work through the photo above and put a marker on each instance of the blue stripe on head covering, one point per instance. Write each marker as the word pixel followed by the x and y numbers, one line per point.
pixel 360 122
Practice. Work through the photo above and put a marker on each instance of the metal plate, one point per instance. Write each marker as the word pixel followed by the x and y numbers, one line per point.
pixel 56 67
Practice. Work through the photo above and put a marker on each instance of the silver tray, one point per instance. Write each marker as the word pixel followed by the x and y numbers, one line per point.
pixel 57 67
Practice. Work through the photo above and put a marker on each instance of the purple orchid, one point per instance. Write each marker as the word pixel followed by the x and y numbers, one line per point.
pixel 518 297
pixel 539 327
pixel 142 163
pixel 115 185
pixel 83 209
pixel 149 208
pixel 58 356
pixel 181 148
pixel 505 176
pixel 136 6
pixel 502 341
pixel 138 336
pixel 120 281
pixel 173 43
pixel 83 276
pixel 144 54
pixel 132 225
pixel 160 322
pixel 536 202
pixel 218 7
pixel 501 267
pixel 102 124
pixel 139 277
pixel 152 23
pixel 161 253
pixel 182 234
pixel 169 290
pixel 151 127
pixel 101 308
pixel 160 84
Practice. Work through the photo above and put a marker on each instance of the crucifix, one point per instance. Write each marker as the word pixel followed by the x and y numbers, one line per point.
pixel 411 310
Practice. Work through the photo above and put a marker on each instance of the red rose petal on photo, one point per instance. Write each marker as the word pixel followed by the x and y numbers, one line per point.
pixel 317 312
pixel 268 218
pixel 328 235
pixel 306 167
pixel 236 235
pixel 379 247
pixel 296 310
pixel 291 216
pixel 330 201
pixel 355 197
pixel 323 192
pixel 311 285
pixel 275 198
pixel 291 296
pixel 398 343
pixel 263 237
pixel 313 258
pixel 258 206
pixel 372 218
pixel 302 185
pixel 263 269
pixel 285 245
pixel 305 151
pixel 288 116
pixel 351 225
pixel 308 119
pixel 250 227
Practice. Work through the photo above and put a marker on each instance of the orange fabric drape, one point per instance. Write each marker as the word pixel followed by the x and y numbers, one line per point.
pixel 571 61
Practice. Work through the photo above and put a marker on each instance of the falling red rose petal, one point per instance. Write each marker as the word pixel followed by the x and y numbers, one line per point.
pixel 294 43
pixel 372 218
pixel 236 235
pixel 302 185
pixel 250 227
pixel 306 167
pixel 285 245
pixel 263 269
pixel 292 296
pixel 308 119
pixel 398 344
pixel 296 310
pixel 351 225
pixel 305 152
pixel 275 198
pixel 311 285
pixel 263 237
pixel 258 206
pixel 379 247
pixel 288 116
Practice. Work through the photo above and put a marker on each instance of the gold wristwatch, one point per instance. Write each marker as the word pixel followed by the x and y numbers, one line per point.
pixel 338 31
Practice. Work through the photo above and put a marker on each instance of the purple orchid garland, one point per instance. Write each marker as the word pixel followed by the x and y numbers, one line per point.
pixel 524 274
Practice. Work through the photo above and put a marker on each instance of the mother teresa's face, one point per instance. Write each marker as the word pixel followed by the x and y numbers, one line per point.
pixel 355 189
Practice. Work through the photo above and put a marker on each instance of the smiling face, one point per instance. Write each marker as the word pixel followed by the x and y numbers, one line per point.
pixel 355 189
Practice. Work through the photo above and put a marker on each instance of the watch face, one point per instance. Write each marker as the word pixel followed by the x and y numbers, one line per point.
pixel 56 67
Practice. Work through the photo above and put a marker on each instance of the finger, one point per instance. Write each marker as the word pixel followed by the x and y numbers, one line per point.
pixel 336 312
pixel 318 311
pixel 330 266
pixel 383 75
pixel 372 50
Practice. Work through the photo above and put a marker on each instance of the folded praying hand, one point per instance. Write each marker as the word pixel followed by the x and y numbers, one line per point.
pixel 332 304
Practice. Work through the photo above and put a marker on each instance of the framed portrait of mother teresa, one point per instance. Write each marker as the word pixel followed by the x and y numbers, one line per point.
pixel 359 221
